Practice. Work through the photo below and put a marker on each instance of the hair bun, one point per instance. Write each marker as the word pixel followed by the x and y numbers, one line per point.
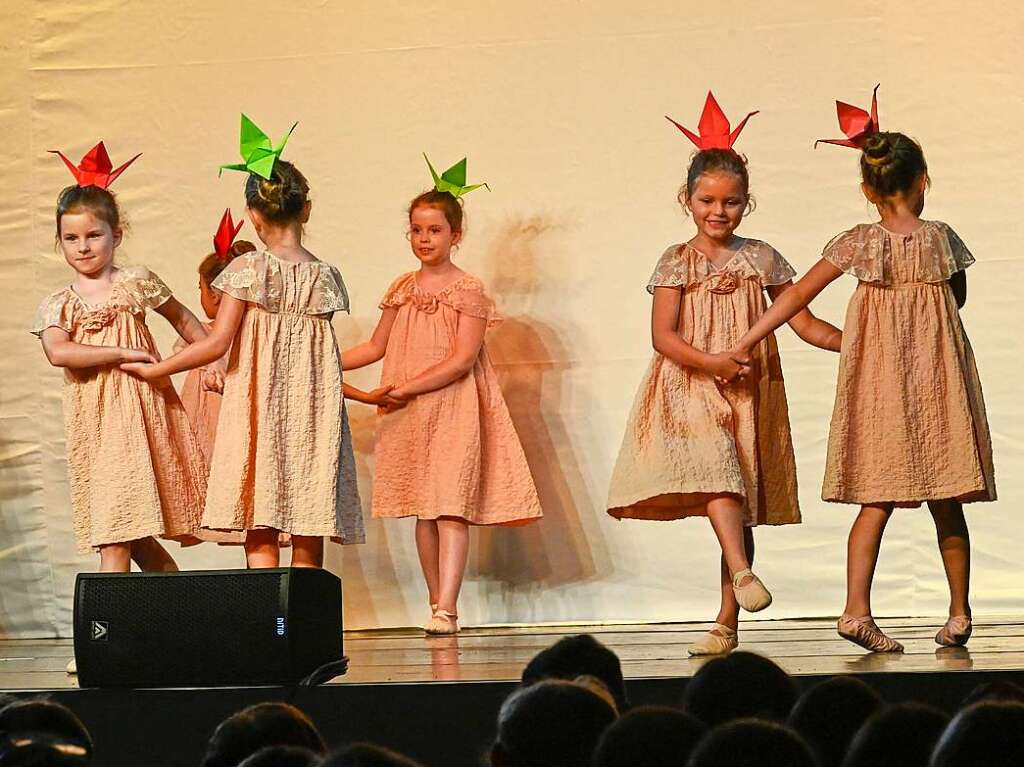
pixel 879 150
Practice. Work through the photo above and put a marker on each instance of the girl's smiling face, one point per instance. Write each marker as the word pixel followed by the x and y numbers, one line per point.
pixel 717 204
pixel 431 236
pixel 88 242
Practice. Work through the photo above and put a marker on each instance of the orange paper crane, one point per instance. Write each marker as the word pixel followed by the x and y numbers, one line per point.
pixel 855 123
pixel 226 233
pixel 713 127
pixel 95 169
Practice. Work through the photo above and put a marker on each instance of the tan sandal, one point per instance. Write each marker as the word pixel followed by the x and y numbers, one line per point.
pixel 720 640
pixel 753 596
pixel 442 622
pixel 956 632
pixel 865 633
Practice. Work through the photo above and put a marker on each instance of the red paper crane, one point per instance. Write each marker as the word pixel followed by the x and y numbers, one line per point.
pixel 95 169
pixel 713 127
pixel 855 123
pixel 226 233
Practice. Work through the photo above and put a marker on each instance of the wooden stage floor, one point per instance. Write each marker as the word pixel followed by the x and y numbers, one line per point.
pixel 801 647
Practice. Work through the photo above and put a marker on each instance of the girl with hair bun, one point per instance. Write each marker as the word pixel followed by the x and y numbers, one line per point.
pixel 909 424
pixel 282 461
pixel 703 440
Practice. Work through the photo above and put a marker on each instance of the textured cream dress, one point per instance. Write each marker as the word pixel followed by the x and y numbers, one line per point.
pixel 452 452
pixel 688 438
pixel 134 465
pixel 283 455
pixel 909 420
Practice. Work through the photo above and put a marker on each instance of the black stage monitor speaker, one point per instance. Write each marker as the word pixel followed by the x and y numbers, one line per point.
pixel 206 627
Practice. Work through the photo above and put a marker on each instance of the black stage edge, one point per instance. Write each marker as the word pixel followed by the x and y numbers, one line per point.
pixel 442 724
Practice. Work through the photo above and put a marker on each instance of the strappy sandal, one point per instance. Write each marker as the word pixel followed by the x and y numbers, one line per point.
pixel 720 640
pixel 752 596
pixel 956 632
pixel 442 622
pixel 865 633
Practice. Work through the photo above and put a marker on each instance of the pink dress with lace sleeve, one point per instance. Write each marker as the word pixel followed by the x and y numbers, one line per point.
pixel 452 452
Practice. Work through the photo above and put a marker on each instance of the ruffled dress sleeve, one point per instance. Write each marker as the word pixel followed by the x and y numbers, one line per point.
pixel 771 267
pixel 671 271
pixel 955 257
pixel 58 310
pixel 145 289
pixel 468 296
pixel 860 252
pixel 399 291
pixel 253 278
pixel 329 295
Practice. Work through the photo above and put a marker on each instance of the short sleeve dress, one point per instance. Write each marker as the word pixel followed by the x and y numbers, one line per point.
pixel 688 438
pixel 909 420
pixel 283 455
pixel 134 465
pixel 453 452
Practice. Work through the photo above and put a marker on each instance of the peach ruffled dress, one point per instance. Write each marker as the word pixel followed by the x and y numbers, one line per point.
pixel 688 438
pixel 283 455
pixel 909 420
pixel 201 406
pixel 134 465
pixel 452 452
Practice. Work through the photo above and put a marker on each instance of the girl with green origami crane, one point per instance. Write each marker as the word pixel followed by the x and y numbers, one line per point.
pixel 282 461
pixel 450 457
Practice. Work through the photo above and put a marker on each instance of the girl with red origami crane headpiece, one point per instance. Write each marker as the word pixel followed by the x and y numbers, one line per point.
pixel 202 400
pixel 136 470
pixel 909 424
pixel 735 464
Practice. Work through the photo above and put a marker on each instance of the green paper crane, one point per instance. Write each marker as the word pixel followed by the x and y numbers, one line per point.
pixel 258 151
pixel 453 180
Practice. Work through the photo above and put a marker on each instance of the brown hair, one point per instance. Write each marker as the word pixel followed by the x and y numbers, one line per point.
pixel 213 264
pixel 891 163
pixel 281 198
pixel 716 161
pixel 449 205
pixel 100 202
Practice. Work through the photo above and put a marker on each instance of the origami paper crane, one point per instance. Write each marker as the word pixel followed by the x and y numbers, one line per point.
pixel 453 180
pixel 257 150
pixel 713 127
pixel 95 169
pixel 226 233
pixel 855 123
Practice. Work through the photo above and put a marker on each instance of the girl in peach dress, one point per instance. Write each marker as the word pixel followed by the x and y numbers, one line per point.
pixel 447 452
pixel 701 439
pixel 909 423
pixel 282 461
pixel 202 401
pixel 136 471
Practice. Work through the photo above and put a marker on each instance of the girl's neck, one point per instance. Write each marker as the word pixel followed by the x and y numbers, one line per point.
pixel 440 269
pixel 898 217
pixel 284 241
pixel 712 245
pixel 97 280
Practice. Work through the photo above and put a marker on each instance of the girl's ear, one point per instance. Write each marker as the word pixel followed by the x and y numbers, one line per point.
pixel 255 218
pixel 456 237
pixel 869 193
pixel 304 218
pixel 118 235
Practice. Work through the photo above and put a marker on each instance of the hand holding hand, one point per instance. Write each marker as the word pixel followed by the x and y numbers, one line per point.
pixel 725 369
pixel 213 381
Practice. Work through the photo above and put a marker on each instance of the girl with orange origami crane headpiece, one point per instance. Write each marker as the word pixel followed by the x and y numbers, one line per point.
pixel 706 435
pixel 909 422
pixel 136 470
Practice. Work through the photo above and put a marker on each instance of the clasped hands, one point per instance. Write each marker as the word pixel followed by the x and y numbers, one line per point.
pixel 386 399
pixel 729 367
